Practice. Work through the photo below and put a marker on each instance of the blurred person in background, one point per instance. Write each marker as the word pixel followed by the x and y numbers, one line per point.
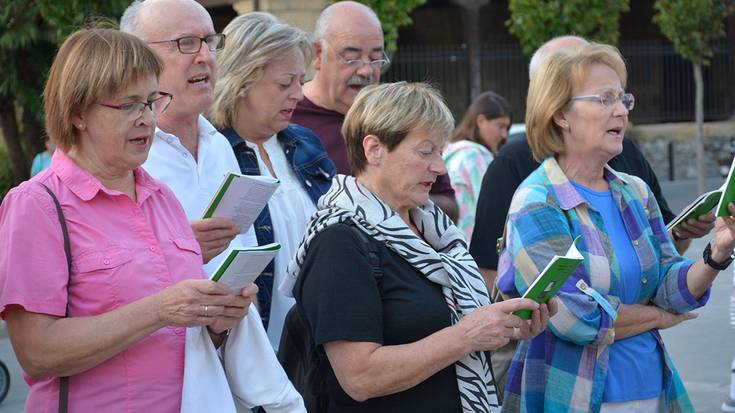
pixel 475 141
pixel 349 55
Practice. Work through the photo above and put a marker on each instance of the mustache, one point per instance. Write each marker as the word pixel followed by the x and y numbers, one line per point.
pixel 358 80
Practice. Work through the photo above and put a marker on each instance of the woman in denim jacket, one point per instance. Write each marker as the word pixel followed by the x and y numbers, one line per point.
pixel 261 70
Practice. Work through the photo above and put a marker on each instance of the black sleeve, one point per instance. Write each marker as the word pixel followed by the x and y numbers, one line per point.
pixel 496 192
pixel 638 165
pixel 337 289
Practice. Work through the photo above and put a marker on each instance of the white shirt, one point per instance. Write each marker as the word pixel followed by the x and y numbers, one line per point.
pixel 290 208
pixel 194 181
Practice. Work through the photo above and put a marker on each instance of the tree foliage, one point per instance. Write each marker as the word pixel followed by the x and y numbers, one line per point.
pixel 692 26
pixel 534 22
pixel 393 14
pixel 30 33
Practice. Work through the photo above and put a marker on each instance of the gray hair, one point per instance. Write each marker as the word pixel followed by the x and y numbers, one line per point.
pixel 551 46
pixel 129 19
pixel 324 20
pixel 254 40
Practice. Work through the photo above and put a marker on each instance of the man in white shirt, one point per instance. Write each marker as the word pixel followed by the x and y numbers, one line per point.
pixel 191 157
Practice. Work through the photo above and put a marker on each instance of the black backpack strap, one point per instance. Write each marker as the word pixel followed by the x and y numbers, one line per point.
pixel 373 253
pixel 63 381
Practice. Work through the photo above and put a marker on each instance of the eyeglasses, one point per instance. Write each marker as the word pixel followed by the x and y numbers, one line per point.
pixel 133 110
pixel 192 44
pixel 608 99
pixel 358 63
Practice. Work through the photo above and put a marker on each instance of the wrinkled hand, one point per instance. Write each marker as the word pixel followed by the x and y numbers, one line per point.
pixel 667 319
pixel 724 241
pixel 696 228
pixel 214 235
pixel 539 320
pixel 492 326
pixel 235 311
pixel 191 303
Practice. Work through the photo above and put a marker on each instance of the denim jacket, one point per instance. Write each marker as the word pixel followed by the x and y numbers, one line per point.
pixel 311 164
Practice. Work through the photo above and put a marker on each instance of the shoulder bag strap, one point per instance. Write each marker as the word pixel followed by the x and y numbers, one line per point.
pixel 63 381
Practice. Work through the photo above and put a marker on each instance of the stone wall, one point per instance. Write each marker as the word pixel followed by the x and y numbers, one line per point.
pixel 663 143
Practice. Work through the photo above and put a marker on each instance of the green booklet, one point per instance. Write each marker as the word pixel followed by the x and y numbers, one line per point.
pixel 728 194
pixel 241 198
pixel 550 280
pixel 243 265
pixel 700 206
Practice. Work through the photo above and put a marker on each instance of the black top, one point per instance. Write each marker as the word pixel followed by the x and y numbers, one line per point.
pixel 513 163
pixel 343 301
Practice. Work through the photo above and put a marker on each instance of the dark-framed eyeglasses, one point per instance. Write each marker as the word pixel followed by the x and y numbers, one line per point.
pixel 134 110
pixel 192 44
pixel 608 99
pixel 358 63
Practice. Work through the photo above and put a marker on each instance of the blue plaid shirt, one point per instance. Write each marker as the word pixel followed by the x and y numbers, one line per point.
pixel 564 368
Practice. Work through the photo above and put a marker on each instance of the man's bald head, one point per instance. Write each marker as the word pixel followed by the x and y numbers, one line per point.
pixel 557 43
pixel 147 17
pixel 344 14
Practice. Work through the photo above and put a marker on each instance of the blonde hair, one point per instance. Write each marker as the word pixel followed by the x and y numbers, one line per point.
pixel 254 40
pixel 92 64
pixel 390 112
pixel 551 88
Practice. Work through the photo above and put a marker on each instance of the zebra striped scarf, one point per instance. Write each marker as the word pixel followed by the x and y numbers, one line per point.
pixel 441 256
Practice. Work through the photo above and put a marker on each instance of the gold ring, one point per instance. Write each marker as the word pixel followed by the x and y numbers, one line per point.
pixel 206 310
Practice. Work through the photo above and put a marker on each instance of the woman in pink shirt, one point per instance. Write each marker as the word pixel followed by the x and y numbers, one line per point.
pixel 136 275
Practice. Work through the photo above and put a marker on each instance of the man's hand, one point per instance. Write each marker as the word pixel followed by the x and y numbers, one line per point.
pixel 696 228
pixel 214 235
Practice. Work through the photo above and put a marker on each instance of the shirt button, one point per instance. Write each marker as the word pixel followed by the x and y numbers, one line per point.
pixel 644 280
pixel 635 242
pixel 106 261
pixel 153 249
pixel 308 183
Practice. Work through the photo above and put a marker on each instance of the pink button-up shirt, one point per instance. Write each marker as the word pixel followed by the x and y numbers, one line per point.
pixel 122 251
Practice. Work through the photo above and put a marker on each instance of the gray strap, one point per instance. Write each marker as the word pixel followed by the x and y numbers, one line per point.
pixel 63 381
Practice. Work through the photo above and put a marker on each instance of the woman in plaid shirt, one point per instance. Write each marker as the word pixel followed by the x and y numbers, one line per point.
pixel 602 351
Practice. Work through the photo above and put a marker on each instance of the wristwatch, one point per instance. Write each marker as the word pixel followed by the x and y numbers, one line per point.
pixel 719 266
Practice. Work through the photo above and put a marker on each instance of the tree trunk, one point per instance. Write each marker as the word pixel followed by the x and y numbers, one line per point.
pixel 33 135
pixel 8 122
pixel 699 118
pixel 471 30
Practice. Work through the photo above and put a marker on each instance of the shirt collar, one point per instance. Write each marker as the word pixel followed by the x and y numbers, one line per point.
pixel 566 194
pixel 86 186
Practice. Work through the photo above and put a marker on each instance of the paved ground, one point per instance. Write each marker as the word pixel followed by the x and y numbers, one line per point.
pixel 702 348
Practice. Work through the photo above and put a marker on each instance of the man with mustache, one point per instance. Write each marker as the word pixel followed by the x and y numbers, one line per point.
pixel 350 54
pixel 191 157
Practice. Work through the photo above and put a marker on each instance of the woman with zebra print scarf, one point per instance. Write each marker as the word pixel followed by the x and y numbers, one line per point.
pixel 411 332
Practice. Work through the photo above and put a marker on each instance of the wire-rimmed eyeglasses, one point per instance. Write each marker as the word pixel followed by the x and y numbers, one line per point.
pixel 608 99
pixel 192 44
pixel 133 110
pixel 358 63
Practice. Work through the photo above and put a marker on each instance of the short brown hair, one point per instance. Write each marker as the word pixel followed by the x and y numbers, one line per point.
pixel 92 64
pixel 551 89
pixel 390 112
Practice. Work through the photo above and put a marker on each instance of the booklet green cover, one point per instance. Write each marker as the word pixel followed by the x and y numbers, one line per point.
pixel 554 275
pixel 700 206
pixel 728 194
pixel 241 198
pixel 243 265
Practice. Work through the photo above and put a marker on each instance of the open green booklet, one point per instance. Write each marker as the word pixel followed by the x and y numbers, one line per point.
pixel 243 265
pixel 241 198
pixel 700 206
pixel 728 194
pixel 550 280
